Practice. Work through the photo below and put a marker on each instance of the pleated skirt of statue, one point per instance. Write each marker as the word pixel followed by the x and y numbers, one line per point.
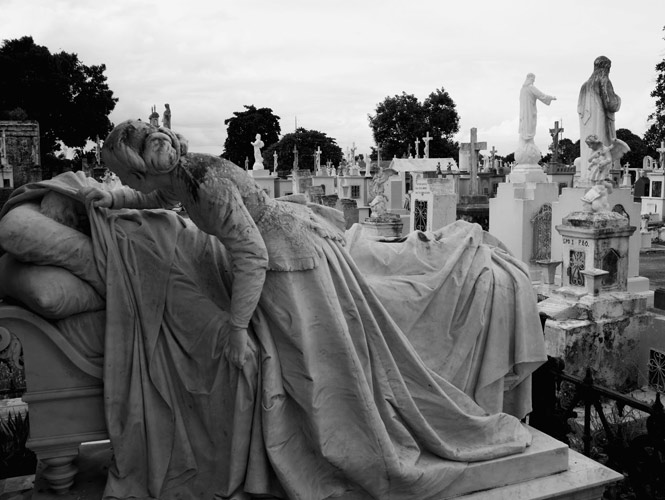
pixel 349 410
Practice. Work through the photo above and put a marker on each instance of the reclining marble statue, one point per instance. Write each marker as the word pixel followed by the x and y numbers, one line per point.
pixel 298 383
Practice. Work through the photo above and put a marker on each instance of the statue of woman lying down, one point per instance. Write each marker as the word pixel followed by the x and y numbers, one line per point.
pixel 349 410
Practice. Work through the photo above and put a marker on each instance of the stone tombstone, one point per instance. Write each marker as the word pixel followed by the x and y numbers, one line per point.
pixel 542 234
pixel 21 158
pixel 595 251
pixel 315 194
pixel 433 203
pixel 302 181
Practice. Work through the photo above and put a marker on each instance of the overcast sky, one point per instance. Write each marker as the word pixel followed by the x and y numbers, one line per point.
pixel 328 64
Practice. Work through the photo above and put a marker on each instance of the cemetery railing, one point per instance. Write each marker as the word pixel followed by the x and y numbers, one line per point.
pixel 642 457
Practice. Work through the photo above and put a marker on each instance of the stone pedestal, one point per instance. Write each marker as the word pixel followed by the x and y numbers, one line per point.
pixel 595 241
pixel 520 216
pixel 621 200
pixel 383 227
pixel 600 331
pixel 265 180
pixel 593 321
pixel 433 204
pixel 547 469
pixel 527 173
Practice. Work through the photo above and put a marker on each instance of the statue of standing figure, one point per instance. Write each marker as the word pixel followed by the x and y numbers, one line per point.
pixel 528 111
pixel 166 121
pixel 596 106
pixel 527 151
pixel 258 158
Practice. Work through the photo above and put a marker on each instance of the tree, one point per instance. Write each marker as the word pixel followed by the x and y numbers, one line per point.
pixel 242 128
pixel 306 141
pixel 401 120
pixel 638 148
pixel 568 151
pixel 70 101
pixel 656 131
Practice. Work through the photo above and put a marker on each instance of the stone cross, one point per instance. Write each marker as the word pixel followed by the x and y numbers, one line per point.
pixel 473 147
pixel 426 140
pixel 317 161
pixel 353 154
pixel 416 144
pixel 98 158
pixel 555 132
pixel 493 153
pixel 626 175
pixel 274 161
pixel 295 158
pixel 661 150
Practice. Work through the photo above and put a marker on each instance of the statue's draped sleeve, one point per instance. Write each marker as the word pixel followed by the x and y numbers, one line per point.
pixel 219 211
pixel 222 213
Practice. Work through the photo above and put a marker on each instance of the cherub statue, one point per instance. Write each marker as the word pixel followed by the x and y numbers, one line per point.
pixel 376 192
pixel 600 162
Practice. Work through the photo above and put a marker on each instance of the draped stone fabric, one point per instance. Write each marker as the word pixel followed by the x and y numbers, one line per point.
pixel 335 401
pixel 465 304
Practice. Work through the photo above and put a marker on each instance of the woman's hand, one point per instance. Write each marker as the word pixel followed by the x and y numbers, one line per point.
pixel 96 197
pixel 238 346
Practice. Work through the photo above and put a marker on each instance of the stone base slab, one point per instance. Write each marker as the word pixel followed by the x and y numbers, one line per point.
pixel 547 465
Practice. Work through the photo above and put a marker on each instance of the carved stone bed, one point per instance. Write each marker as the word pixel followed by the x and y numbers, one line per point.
pixel 64 393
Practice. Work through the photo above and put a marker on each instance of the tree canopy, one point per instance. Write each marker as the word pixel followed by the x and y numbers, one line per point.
pixel 402 119
pixel 306 141
pixel 656 131
pixel 638 148
pixel 568 151
pixel 242 128
pixel 70 101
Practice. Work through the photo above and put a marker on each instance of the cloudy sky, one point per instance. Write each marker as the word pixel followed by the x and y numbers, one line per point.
pixel 328 64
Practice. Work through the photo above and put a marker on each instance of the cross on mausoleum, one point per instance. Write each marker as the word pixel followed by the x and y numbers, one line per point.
pixel 473 147
pixel 295 158
pixel 416 144
pixel 555 132
pixel 661 150
pixel 274 161
pixel 426 140
pixel 493 153
pixel 353 154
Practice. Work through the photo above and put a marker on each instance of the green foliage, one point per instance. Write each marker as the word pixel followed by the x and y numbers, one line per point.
pixel 656 131
pixel 568 151
pixel 638 148
pixel 306 142
pixel 15 458
pixel 402 119
pixel 242 128
pixel 71 101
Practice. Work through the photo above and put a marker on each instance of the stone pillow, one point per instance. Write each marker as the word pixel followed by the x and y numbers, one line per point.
pixel 32 237
pixel 51 292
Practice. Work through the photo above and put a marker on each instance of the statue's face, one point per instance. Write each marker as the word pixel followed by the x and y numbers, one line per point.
pixel 258 137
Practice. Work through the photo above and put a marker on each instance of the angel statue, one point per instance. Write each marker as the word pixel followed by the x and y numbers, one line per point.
pixel 379 203
pixel 600 161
